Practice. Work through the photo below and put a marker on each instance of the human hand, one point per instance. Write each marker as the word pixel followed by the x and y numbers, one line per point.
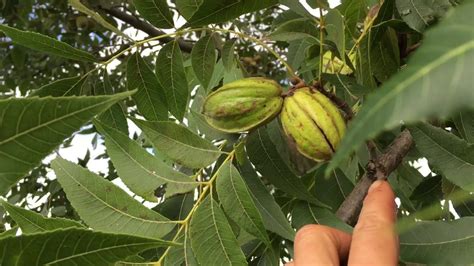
pixel 373 241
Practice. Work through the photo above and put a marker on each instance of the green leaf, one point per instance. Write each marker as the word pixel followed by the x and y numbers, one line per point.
pixel 273 218
pixel 233 74
pixel 237 201
pixel 179 143
pixel 420 14
pixel 61 87
pixel 364 73
pixel 46 44
pixel 285 16
pixel 198 120
pixel 104 206
pixel 32 222
pixel 228 56
pixel 296 29
pixel 267 161
pixel 333 190
pixel 217 11
pixel 217 76
pixel 446 243
pixel 448 154
pixel 297 7
pixel 181 255
pixel 172 77
pixel 177 207
pixel 188 7
pixel 150 97
pixel 408 178
pixel 385 13
pixel 319 4
pixel 464 122
pixel 419 91
pixel 142 172
pixel 157 12
pixel 385 56
pixel 94 15
pixel 73 246
pixel 463 201
pixel 427 195
pixel 210 226
pixel 336 31
pixel 297 51
pixel 115 116
pixel 189 256
pixel 33 127
pixel 18 56
pixel 349 84
pixel 304 213
pixel 81 87
pixel 377 59
pixel 175 255
pixel 203 58
pixel 353 13
pixel 11 232
pixel 270 255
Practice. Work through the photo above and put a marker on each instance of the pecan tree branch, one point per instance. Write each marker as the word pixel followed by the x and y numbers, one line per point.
pixel 380 168
pixel 145 27
pixel 412 48
pixel 372 148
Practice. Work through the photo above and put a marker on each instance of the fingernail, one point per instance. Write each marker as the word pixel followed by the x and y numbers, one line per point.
pixel 375 185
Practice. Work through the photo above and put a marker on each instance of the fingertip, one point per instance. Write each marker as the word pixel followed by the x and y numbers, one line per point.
pixel 381 186
pixel 380 199
pixel 376 184
pixel 306 230
pixel 375 230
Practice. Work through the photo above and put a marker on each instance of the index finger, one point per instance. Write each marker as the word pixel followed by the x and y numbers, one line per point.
pixel 374 240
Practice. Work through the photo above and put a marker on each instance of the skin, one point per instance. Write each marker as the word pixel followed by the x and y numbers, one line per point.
pixel 373 241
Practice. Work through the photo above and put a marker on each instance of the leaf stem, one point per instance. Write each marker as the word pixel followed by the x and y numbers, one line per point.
pixel 290 70
pixel 321 40
pixel 367 29
pixel 177 33
pixel 184 223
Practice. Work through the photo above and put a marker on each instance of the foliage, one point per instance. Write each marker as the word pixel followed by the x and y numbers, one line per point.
pixel 77 69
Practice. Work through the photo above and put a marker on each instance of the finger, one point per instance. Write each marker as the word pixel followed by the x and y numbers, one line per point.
pixel 290 264
pixel 374 240
pixel 318 244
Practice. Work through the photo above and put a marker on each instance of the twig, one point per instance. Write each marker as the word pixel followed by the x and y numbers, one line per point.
pixel 208 188
pixel 321 39
pixel 372 147
pixel 411 49
pixel 145 27
pixel 376 169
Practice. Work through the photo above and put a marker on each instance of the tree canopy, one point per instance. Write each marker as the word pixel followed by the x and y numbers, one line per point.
pixel 132 77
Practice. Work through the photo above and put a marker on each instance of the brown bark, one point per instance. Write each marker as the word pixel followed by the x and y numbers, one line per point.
pixel 380 168
pixel 146 27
